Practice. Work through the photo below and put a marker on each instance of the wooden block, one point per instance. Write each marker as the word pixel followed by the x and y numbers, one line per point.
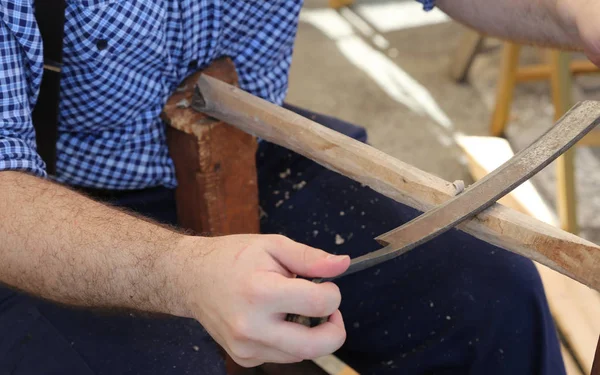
pixel 214 162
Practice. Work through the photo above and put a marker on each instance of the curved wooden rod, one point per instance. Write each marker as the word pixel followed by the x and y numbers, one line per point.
pixel 499 225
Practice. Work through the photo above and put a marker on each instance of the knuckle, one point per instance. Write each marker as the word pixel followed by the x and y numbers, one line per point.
pixel 278 240
pixel 257 290
pixel 324 300
pixel 336 294
pixel 318 305
pixel 241 329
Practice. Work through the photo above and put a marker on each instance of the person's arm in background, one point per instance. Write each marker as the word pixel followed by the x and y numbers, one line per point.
pixel 569 24
pixel 62 246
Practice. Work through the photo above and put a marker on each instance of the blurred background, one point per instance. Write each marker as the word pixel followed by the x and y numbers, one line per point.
pixel 427 89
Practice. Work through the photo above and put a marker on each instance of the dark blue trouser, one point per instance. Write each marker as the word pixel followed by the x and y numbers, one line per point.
pixel 455 305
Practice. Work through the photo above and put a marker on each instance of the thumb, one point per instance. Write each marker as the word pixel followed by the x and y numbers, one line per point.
pixel 307 261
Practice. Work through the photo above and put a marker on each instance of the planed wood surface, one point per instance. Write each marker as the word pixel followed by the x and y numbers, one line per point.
pixel 498 225
pixel 574 306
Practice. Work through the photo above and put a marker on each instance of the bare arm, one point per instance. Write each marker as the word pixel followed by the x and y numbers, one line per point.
pixel 62 246
pixel 568 24
pixel 67 248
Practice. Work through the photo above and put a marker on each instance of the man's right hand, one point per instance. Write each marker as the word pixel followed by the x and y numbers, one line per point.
pixel 241 287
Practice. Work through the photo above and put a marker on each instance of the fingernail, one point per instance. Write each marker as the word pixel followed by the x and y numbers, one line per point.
pixel 337 257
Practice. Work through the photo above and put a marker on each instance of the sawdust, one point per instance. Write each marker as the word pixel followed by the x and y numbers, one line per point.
pixel 285 173
pixel 299 185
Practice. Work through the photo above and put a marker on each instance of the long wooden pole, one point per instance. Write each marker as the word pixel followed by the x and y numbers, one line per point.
pixel 498 225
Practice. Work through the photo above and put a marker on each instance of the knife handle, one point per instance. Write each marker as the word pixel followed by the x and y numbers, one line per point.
pixel 305 320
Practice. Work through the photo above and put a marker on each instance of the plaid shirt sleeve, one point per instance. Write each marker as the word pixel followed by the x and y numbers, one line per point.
pixel 21 67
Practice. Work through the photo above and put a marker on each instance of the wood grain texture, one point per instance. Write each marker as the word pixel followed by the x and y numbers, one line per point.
pixel 498 225
pixel 217 190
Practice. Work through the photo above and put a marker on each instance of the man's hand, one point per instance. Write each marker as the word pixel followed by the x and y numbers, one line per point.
pixel 64 247
pixel 242 287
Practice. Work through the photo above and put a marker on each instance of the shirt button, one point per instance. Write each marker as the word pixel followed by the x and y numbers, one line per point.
pixel 101 44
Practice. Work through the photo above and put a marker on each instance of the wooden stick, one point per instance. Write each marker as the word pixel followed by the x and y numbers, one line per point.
pixel 498 225
pixel 541 72
pixel 507 80
pixel 574 306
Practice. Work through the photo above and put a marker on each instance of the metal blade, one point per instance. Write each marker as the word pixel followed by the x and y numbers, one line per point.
pixel 582 118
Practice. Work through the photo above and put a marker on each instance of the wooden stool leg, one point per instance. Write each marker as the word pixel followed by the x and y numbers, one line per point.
pixel 561 80
pixel 469 46
pixel 506 88
pixel 336 4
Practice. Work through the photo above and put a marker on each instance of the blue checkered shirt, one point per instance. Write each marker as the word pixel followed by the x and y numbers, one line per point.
pixel 122 59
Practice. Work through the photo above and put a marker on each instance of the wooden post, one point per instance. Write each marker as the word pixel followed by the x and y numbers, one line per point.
pixel 506 87
pixel 468 47
pixel 561 81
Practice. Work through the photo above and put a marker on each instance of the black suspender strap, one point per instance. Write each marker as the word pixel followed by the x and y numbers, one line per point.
pixel 50 17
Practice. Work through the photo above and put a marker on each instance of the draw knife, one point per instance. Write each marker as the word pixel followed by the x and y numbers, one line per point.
pixel 559 138
pixel 479 196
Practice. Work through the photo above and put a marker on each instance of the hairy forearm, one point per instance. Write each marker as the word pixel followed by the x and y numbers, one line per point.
pixel 62 246
pixel 541 22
